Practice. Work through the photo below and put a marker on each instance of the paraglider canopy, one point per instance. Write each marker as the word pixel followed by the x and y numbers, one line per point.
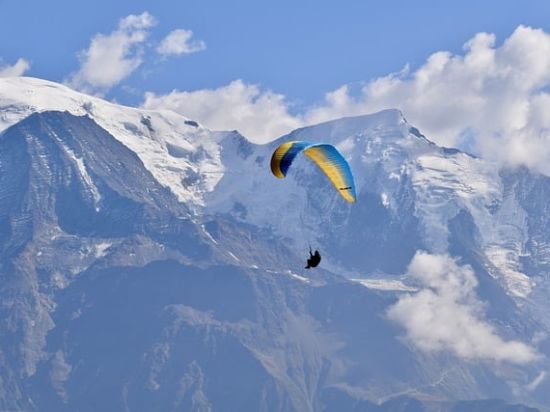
pixel 325 156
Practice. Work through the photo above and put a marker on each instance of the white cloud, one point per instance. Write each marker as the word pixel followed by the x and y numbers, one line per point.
pixel 178 42
pixel 18 69
pixel 447 315
pixel 112 57
pixel 492 98
pixel 259 115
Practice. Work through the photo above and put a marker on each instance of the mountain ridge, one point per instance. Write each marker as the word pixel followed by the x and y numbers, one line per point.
pixel 210 270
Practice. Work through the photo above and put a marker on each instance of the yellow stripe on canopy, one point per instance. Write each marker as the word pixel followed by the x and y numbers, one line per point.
pixel 332 168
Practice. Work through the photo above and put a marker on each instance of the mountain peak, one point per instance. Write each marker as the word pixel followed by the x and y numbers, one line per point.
pixel 179 153
pixel 334 130
pixel 174 149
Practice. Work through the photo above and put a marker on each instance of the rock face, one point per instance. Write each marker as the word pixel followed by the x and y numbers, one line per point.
pixel 147 263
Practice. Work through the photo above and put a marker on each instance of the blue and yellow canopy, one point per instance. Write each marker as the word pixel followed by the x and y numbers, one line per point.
pixel 326 156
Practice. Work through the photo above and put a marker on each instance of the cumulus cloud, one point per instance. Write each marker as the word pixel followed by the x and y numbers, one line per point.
pixel 446 314
pixel 490 98
pixel 259 115
pixel 112 57
pixel 179 42
pixel 17 69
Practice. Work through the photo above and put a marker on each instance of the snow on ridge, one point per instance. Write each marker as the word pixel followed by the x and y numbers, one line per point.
pixel 101 248
pixel 192 161
pixel 387 285
pixel 189 159
pixel 335 131
pixel 445 185
pixel 174 149
pixel 85 177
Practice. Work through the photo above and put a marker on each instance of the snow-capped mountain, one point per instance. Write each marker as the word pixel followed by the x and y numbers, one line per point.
pixel 176 150
pixel 148 263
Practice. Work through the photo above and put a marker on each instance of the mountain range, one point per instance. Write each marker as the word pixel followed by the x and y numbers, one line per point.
pixel 149 263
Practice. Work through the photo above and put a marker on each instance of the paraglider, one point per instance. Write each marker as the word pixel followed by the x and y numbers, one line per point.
pixel 314 259
pixel 329 160
pixel 325 156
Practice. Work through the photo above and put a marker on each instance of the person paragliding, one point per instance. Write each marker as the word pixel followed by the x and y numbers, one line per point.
pixel 328 159
pixel 314 259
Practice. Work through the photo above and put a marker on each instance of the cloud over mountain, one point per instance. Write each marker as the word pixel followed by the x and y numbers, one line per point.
pixel 259 115
pixel 491 99
pixel 447 315
pixel 180 41
pixel 112 57
pixel 17 69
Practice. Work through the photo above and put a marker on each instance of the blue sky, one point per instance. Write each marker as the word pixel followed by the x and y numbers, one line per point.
pixel 265 68
pixel 300 49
